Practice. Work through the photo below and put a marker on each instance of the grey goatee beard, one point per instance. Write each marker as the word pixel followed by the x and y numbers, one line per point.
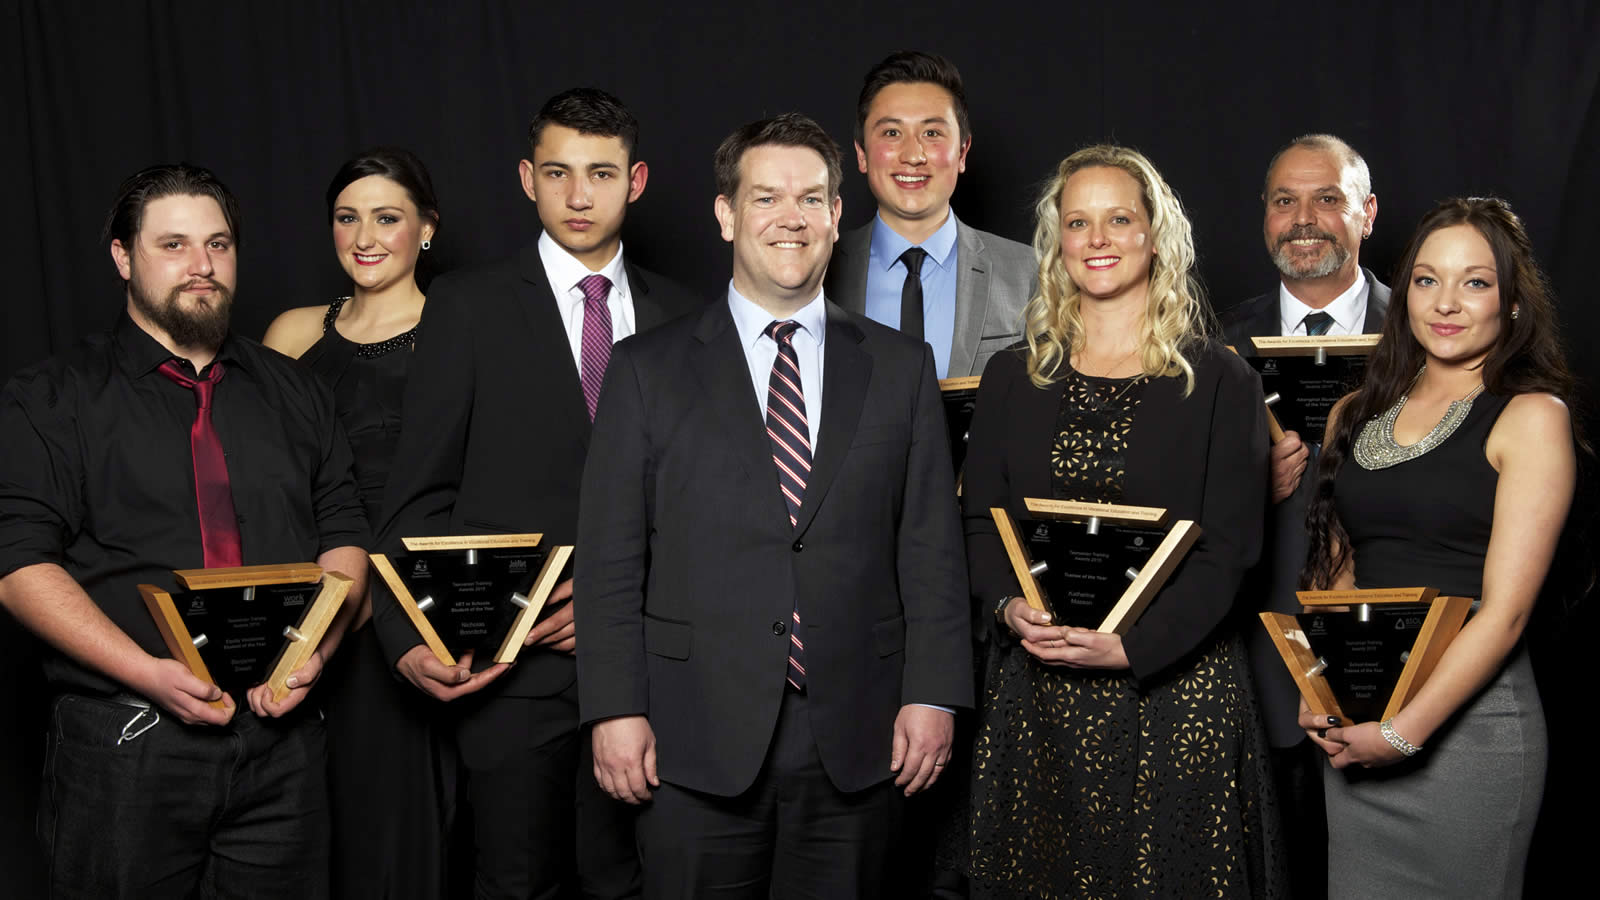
pixel 205 327
pixel 1290 268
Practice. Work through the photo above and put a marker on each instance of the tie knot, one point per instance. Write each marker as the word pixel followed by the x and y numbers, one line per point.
pixel 912 259
pixel 595 288
pixel 202 387
pixel 1318 323
pixel 781 331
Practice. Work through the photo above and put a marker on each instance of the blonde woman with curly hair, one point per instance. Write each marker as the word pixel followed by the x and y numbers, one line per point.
pixel 1131 766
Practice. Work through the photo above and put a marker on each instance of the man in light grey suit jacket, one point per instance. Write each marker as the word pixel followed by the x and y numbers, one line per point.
pixel 912 138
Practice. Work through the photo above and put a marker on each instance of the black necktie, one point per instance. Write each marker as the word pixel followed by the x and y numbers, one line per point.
pixel 1317 323
pixel 911 293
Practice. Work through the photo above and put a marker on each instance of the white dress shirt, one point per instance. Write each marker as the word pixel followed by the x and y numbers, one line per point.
pixel 761 351
pixel 1349 310
pixel 564 273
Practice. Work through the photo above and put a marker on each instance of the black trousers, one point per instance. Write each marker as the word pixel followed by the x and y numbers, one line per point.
pixel 1298 773
pixel 791 835
pixel 136 804
pixel 541 827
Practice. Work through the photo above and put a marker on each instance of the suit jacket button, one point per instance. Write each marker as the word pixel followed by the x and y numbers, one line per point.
pixel 799 545
pixel 778 627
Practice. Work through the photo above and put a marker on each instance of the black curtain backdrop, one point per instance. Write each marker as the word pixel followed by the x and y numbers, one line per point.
pixel 1442 98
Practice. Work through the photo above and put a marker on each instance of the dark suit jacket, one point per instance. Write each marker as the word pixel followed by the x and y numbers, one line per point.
pixel 495 428
pixel 1203 457
pixel 690 567
pixel 1270 586
pixel 994 280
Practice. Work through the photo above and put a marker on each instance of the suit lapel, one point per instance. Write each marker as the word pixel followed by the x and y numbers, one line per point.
pixel 1377 303
pixel 847 275
pixel 972 300
pixel 647 312
pixel 724 375
pixel 547 348
pixel 846 371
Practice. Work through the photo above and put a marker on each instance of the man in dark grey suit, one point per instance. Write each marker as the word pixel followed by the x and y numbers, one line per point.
pixel 1319 208
pixel 772 585
pixel 912 139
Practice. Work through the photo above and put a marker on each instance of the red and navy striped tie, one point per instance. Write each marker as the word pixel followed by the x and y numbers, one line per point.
pixel 791 453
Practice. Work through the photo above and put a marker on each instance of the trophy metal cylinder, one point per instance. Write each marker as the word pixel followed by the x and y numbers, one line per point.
pixel 1364 613
pixel 1093 525
pixel 426 603
pixel 472 557
pixel 199 641
pixel 1273 398
pixel 1321 357
pixel 1320 667
pixel 1038 568
pixel 519 600
pixel 292 633
pixel 249 593
pixel 1130 573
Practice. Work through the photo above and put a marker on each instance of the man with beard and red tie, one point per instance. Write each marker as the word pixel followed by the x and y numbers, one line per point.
pixel 497 419
pixel 171 443
pixel 1319 208
pixel 772 583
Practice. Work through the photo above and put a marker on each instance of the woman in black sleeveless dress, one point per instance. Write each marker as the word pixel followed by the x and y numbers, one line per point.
pixel 1451 467
pixel 389 776
pixel 1111 766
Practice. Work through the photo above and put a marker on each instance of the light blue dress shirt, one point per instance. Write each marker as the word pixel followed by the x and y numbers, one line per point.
pixel 886 277
pixel 760 351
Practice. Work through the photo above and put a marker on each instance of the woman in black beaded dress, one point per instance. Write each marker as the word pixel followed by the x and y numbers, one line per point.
pixel 1111 766
pixel 1453 467
pixel 388 773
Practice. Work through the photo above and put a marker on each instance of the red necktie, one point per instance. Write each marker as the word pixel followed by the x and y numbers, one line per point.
pixel 219 527
pixel 791 453
pixel 596 338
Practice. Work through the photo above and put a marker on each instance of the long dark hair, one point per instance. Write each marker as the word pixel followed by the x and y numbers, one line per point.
pixel 1526 358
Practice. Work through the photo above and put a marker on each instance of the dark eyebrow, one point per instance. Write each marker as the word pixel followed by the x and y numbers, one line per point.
pixel 603 165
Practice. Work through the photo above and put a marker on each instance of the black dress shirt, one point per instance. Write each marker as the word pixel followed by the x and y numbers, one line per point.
pixel 96 473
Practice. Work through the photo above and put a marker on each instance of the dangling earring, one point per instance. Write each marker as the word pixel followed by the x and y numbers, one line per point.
pixel 1515 311
pixel 429 244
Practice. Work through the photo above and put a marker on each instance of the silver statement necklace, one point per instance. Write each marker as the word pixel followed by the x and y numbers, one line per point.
pixel 1376 447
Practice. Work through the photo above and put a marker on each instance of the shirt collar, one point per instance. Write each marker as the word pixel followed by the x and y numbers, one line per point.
pixel 887 244
pixel 141 354
pixel 1347 309
pixel 564 271
pixel 752 321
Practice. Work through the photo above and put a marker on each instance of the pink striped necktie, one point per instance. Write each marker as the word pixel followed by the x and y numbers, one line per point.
pixel 791 453
pixel 219 526
pixel 596 337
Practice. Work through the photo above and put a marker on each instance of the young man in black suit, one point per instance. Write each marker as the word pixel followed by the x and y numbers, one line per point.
pixel 774 597
pixel 1319 207
pixel 498 409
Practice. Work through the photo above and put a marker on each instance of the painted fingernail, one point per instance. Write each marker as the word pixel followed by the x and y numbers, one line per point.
pixel 1322 733
pixel 1333 720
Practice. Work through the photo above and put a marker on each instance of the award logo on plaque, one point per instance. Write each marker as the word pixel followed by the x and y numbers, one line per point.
pixel 960 397
pixel 1093 565
pixel 478 592
pixel 1305 376
pixel 1362 655
pixel 240 627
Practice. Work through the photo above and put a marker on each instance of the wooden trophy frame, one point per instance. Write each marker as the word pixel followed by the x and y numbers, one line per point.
pixel 555 563
pixel 1142 586
pixel 1319 348
pixel 302 638
pixel 949 389
pixel 1443 622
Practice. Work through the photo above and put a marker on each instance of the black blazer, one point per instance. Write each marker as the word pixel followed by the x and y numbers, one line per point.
pixel 690 568
pixel 495 428
pixel 1203 457
pixel 1270 586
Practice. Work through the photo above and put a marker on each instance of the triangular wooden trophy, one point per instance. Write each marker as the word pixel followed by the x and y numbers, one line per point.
pixel 960 396
pixel 479 592
pixel 244 626
pixel 1093 565
pixel 1362 655
pixel 1303 378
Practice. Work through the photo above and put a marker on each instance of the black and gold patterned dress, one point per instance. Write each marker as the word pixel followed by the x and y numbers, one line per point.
pixel 1087 784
